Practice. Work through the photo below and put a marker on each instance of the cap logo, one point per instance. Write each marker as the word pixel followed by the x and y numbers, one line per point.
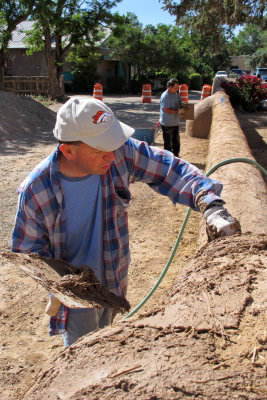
pixel 101 116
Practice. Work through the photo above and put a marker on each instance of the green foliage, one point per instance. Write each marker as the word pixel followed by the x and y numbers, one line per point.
pixel 248 40
pixel 209 12
pixel 164 50
pixel 182 78
pixel 12 13
pixel 43 100
pixel 259 59
pixel 207 80
pixel 195 80
pixel 34 39
pixel 137 82
pixel 126 41
pixel 84 62
pixel 247 91
pixel 205 70
pixel 156 50
pixel 115 84
pixel 213 19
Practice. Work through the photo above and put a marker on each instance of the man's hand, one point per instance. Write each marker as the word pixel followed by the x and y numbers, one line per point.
pixel 220 223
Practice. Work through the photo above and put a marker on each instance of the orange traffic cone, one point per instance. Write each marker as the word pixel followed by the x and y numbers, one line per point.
pixel 98 91
pixel 206 91
pixel 146 93
pixel 183 92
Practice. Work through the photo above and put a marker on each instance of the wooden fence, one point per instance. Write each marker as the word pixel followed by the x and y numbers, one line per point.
pixel 29 85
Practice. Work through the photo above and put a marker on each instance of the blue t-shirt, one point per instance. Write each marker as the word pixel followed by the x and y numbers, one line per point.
pixel 84 222
pixel 169 100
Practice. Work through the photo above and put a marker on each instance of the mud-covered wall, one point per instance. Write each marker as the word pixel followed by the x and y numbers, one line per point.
pixel 200 126
pixel 244 189
pixel 190 348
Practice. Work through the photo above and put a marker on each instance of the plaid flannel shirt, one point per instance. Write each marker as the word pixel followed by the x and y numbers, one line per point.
pixel 40 221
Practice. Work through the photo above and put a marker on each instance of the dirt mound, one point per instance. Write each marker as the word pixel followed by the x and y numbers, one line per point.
pixel 23 122
pixel 198 346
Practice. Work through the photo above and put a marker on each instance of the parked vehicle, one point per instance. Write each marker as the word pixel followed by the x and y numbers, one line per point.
pixel 221 74
pixel 235 72
pixel 261 72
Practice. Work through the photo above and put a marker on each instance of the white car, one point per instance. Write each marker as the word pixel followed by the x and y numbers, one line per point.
pixel 261 72
pixel 221 74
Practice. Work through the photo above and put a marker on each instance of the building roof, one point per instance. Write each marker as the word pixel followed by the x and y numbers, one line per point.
pixel 19 35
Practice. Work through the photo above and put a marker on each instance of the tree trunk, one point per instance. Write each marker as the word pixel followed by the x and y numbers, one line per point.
pixel 2 69
pixel 55 90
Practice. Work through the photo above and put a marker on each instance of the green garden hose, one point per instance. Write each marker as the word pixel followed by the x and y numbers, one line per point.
pixel 180 234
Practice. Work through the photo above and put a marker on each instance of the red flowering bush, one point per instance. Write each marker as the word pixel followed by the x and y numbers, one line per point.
pixel 247 90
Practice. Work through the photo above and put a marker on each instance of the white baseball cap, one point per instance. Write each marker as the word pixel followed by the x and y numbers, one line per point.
pixel 92 122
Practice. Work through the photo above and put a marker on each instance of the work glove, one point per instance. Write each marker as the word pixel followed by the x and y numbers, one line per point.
pixel 52 306
pixel 220 223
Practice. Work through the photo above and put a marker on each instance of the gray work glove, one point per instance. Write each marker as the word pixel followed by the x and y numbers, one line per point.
pixel 220 223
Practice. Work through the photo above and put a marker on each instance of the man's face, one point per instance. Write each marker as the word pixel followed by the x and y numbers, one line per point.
pixel 174 88
pixel 82 159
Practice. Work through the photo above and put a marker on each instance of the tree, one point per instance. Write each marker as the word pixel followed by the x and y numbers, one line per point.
pixel 259 58
pixel 249 40
pixel 127 41
pixel 165 51
pixel 230 12
pixel 209 17
pixel 62 24
pixel 206 57
pixel 156 50
pixel 12 13
pixel 84 60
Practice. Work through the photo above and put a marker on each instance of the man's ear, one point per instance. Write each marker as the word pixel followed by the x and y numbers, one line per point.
pixel 67 150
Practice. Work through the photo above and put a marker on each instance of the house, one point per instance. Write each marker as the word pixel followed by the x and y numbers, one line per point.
pixel 241 62
pixel 17 63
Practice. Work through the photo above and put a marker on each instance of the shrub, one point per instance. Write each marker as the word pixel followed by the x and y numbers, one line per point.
pixel 195 81
pixel 115 84
pixel 207 80
pixel 137 83
pixel 182 78
pixel 248 91
pixel 82 82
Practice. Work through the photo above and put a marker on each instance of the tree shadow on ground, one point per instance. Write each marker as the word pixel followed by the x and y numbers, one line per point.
pixel 137 115
pixel 24 124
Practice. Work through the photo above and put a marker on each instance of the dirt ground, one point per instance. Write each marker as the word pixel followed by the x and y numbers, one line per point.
pixel 154 223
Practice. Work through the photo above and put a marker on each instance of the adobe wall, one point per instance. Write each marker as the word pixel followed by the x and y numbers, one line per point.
pixel 244 189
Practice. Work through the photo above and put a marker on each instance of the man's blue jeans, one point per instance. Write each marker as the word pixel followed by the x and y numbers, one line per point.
pixel 82 321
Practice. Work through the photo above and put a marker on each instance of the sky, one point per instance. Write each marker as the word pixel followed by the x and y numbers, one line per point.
pixel 147 11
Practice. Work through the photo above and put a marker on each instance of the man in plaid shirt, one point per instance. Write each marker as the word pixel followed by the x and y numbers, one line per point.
pixel 73 205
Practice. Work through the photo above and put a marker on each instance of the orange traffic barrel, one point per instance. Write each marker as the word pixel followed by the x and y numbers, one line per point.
pixel 206 91
pixel 146 93
pixel 183 92
pixel 98 91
